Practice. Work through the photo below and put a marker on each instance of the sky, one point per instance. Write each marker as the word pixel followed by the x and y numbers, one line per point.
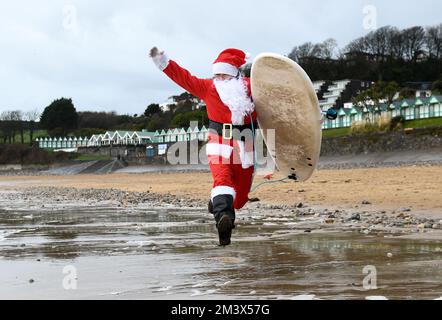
pixel 95 52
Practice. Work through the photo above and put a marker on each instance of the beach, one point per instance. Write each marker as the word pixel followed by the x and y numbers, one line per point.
pixel 149 236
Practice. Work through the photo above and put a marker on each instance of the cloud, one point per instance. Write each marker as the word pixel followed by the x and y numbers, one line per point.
pixel 96 51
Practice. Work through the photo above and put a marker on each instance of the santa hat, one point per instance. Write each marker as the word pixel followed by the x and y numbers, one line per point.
pixel 229 61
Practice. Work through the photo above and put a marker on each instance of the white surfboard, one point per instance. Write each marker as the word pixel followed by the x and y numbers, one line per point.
pixel 286 101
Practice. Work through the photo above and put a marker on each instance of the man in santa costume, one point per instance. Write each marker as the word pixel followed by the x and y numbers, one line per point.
pixel 231 136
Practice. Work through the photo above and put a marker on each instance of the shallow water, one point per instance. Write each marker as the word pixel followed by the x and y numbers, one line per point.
pixel 153 253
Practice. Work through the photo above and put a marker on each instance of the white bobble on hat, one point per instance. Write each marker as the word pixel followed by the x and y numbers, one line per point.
pixel 248 55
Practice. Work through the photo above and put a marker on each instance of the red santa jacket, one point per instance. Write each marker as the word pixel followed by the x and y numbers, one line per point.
pixel 217 111
pixel 204 89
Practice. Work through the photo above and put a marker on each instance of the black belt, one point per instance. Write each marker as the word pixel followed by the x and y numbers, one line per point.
pixel 226 129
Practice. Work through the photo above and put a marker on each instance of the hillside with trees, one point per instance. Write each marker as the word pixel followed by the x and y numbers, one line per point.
pixel 389 56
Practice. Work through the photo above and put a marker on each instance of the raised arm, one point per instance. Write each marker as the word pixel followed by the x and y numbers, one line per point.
pixel 195 86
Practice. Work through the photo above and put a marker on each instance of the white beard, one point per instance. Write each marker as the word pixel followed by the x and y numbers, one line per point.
pixel 233 94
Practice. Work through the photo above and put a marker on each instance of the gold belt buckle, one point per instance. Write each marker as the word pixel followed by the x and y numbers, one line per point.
pixel 229 127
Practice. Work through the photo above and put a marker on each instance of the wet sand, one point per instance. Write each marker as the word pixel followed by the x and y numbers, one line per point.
pixel 116 247
pixel 415 187
pixel 149 236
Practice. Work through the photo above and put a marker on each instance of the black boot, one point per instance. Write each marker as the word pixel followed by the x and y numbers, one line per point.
pixel 225 217
pixel 210 207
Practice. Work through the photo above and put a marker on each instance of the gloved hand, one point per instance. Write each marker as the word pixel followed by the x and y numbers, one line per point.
pixel 160 59
pixel 154 52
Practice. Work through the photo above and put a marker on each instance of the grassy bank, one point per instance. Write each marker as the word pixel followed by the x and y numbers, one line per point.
pixel 410 124
pixel 27 138
pixel 423 123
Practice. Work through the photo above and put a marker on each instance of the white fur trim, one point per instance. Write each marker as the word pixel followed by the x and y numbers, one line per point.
pixel 217 149
pixel 248 55
pixel 247 158
pixel 221 190
pixel 225 68
pixel 161 61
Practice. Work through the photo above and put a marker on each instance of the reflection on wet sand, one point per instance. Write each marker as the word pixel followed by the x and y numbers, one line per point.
pixel 171 253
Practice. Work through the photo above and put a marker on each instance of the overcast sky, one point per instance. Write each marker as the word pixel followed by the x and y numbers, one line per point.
pixel 95 52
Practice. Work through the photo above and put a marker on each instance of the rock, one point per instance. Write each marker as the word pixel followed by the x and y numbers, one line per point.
pixel 436 226
pixel 329 221
pixel 300 205
pixel 356 216
pixel 301 191
pixel 254 200
pixel 421 226
pixel 428 225
pixel 331 216
pixel 308 231
pixel 389 255
pixel 366 202
pixel 31 281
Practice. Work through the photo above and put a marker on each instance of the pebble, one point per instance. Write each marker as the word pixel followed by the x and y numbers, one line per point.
pixel 376 298
pixel 389 255
pixel 356 216
pixel 31 281
pixel 366 202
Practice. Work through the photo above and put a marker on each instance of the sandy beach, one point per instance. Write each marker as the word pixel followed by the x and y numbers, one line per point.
pixel 415 187
pixel 309 240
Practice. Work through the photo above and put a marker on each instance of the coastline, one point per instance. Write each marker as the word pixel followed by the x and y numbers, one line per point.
pixel 387 200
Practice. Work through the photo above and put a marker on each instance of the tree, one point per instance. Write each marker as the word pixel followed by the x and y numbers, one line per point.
pixel 328 49
pixel 372 98
pixel 433 40
pixel 378 42
pixel 414 41
pixel 154 123
pixel 407 93
pixel 7 126
pixel 303 51
pixel 358 45
pixel 101 120
pixel 437 86
pixel 17 116
pixel 182 120
pixel 32 116
pixel 12 123
pixel 151 110
pixel 59 117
